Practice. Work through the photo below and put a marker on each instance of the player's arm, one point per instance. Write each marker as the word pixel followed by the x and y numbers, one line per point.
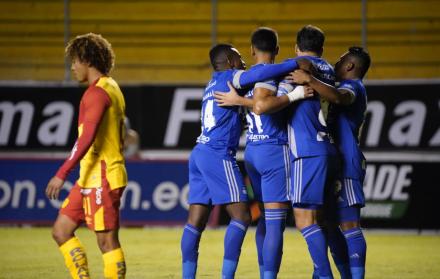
pixel 326 91
pixel 96 103
pixel 266 101
pixel 248 78
pixel 232 98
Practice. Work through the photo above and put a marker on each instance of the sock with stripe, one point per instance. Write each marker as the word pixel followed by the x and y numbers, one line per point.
pixel 259 241
pixel 234 237
pixel 189 246
pixel 114 264
pixel 318 250
pixel 273 242
pixel 75 258
pixel 339 251
pixel 357 250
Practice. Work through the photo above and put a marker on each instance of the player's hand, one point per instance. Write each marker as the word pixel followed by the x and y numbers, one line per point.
pixel 230 98
pixel 308 91
pixel 300 77
pixel 53 188
pixel 306 65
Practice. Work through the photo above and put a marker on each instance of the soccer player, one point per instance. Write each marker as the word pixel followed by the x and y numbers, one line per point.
pixel 214 176
pixel 351 101
pixel 314 157
pixel 267 159
pixel 95 197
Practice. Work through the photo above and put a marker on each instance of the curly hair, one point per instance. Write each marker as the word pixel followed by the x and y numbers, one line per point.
pixel 92 49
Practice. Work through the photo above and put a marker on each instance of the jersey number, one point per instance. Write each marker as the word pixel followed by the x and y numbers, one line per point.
pixel 208 115
pixel 258 123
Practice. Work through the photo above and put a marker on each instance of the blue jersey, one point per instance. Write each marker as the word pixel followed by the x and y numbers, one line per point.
pixel 221 126
pixel 266 128
pixel 347 128
pixel 307 125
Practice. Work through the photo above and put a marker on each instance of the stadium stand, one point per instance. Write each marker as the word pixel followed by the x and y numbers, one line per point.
pixel 168 41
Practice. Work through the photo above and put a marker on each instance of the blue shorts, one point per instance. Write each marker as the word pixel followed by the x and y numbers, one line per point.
pixel 350 193
pixel 312 177
pixel 214 177
pixel 268 167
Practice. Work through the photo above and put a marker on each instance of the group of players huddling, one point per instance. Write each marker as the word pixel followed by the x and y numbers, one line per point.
pixel 302 152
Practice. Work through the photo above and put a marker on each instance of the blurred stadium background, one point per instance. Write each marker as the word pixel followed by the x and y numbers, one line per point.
pixel 162 64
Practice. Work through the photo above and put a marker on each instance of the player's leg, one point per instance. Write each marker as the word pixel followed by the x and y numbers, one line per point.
pixel 226 186
pixel 309 180
pixel 275 217
pixel 274 165
pixel 197 219
pixel 339 250
pixel 330 222
pixel 255 179
pixel 70 216
pixel 112 254
pixel 234 236
pixel 199 209
pixel 349 216
pixel 260 234
pixel 104 215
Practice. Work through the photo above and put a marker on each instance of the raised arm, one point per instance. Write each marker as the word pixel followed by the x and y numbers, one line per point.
pixel 326 91
pixel 248 78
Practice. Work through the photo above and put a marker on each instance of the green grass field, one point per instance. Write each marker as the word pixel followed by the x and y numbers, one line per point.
pixel 28 253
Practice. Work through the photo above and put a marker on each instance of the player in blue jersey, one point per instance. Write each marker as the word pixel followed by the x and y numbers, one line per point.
pixel 214 176
pixel 314 157
pixel 267 159
pixel 350 101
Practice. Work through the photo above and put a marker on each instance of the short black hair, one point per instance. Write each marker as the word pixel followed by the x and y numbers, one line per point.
pixel 310 38
pixel 219 55
pixel 265 39
pixel 362 58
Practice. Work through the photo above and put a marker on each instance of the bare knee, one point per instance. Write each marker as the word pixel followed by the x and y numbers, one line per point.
pixel 198 215
pixel 239 211
pixel 61 235
pixel 304 218
pixel 63 229
pixel 348 225
pixel 107 241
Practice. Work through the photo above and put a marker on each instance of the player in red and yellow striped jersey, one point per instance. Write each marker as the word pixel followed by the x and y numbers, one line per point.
pixel 95 198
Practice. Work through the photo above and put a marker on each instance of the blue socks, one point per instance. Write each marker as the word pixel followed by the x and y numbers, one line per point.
pixel 357 250
pixel 234 237
pixel 273 242
pixel 338 249
pixel 189 246
pixel 318 250
pixel 260 233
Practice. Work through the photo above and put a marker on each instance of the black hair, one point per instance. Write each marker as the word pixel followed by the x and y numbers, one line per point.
pixel 310 38
pixel 219 55
pixel 362 58
pixel 265 39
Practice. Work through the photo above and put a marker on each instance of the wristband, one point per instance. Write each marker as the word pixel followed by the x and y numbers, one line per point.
pixel 297 94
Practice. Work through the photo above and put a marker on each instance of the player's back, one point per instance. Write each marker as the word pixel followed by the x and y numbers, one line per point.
pixel 308 132
pixel 266 128
pixel 221 126
pixel 105 155
pixel 348 126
